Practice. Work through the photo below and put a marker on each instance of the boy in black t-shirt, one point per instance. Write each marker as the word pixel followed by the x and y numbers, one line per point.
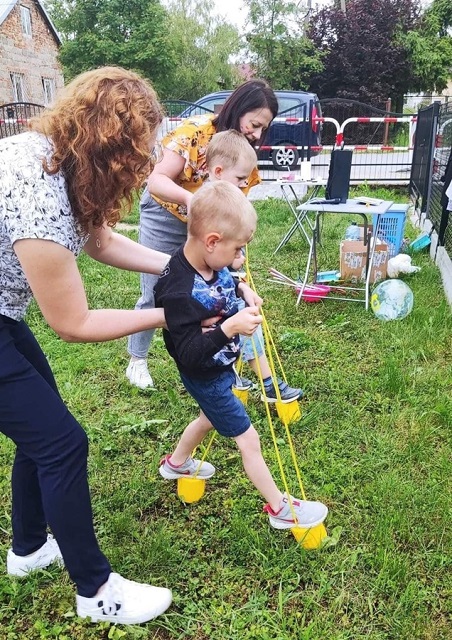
pixel 230 157
pixel 195 285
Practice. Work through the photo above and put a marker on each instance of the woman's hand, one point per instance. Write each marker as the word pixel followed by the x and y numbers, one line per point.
pixel 52 273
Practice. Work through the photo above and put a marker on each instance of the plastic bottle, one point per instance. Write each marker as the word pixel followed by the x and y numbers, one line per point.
pixel 352 232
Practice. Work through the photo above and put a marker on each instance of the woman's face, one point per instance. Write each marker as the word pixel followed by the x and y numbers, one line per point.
pixel 253 124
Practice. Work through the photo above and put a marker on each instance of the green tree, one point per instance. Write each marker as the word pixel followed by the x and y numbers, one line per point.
pixel 381 49
pixel 442 11
pixel 281 52
pixel 130 33
pixel 430 48
pixel 366 57
pixel 203 46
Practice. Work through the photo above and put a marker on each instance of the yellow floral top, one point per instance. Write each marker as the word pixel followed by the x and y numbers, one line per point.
pixel 190 140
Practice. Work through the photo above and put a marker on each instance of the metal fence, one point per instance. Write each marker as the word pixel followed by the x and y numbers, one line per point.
pixel 14 117
pixel 423 156
pixel 375 133
pixel 382 141
pixel 442 165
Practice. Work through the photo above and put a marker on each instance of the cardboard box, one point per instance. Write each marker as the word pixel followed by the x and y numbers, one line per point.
pixel 353 257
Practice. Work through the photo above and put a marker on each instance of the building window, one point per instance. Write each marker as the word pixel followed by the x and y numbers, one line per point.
pixel 48 86
pixel 25 16
pixel 17 80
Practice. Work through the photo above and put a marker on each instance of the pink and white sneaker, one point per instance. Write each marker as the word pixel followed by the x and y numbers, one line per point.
pixel 308 514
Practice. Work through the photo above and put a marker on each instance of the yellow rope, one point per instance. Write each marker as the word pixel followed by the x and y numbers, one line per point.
pixel 206 451
pixel 269 349
pixel 285 422
pixel 269 346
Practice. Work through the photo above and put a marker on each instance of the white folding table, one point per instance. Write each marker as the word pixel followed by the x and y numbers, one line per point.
pixel 293 200
pixel 309 225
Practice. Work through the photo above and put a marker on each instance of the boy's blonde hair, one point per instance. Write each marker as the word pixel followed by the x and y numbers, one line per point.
pixel 222 208
pixel 227 148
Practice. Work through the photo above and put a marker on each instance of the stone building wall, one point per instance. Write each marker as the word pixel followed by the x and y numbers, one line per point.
pixel 35 56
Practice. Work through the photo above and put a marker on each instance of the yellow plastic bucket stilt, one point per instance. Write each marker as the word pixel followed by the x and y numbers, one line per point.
pixel 190 489
pixel 310 538
pixel 242 394
pixel 288 412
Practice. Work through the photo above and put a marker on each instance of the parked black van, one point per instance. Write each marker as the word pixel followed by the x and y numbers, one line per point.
pixel 294 129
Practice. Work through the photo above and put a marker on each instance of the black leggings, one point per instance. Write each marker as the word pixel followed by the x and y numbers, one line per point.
pixel 49 477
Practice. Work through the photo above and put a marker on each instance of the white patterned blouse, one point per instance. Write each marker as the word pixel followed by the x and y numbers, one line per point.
pixel 33 204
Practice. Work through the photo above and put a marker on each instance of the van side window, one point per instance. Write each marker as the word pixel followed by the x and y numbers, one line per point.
pixel 287 103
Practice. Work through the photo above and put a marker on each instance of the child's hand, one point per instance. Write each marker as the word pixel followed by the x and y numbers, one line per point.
pixel 238 263
pixel 210 323
pixel 251 298
pixel 245 322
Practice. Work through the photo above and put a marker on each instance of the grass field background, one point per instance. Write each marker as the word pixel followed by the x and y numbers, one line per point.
pixel 373 443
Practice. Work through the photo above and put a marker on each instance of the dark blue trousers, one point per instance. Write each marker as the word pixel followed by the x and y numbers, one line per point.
pixel 49 477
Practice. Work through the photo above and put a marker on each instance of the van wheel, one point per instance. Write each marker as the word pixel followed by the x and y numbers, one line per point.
pixel 284 159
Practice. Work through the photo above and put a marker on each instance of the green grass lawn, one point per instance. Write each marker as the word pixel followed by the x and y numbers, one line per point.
pixel 373 443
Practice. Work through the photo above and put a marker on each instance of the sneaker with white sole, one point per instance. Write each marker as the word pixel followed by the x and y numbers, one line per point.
pixel 288 394
pixel 243 384
pixel 138 374
pixel 308 514
pixel 123 601
pixel 189 469
pixel 44 556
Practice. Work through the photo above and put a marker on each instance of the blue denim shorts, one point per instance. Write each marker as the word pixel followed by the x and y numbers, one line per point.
pixel 215 398
pixel 246 345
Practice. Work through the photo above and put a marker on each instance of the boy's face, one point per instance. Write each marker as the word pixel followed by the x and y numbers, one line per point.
pixel 237 175
pixel 228 251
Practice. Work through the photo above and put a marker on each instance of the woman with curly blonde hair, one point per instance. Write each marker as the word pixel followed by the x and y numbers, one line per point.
pixel 62 187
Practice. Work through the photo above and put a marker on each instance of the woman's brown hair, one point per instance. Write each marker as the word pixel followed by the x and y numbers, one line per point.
pixel 249 96
pixel 102 127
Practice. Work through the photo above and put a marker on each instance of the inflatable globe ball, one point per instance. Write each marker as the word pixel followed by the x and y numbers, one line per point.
pixel 391 300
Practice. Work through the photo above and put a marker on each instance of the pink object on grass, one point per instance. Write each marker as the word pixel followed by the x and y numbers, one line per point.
pixel 313 293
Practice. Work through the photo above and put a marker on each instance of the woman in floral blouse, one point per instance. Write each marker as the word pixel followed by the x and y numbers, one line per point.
pixel 62 186
pixel 164 204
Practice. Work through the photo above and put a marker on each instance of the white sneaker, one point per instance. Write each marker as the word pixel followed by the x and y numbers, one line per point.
pixel 124 602
pixel 138 374
pixel 40 559
pixel 191 468
pixel 308 513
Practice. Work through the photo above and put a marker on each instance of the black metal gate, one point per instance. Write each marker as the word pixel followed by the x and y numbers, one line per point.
pixel 422 166
pixel 441 176
pixel 14 117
